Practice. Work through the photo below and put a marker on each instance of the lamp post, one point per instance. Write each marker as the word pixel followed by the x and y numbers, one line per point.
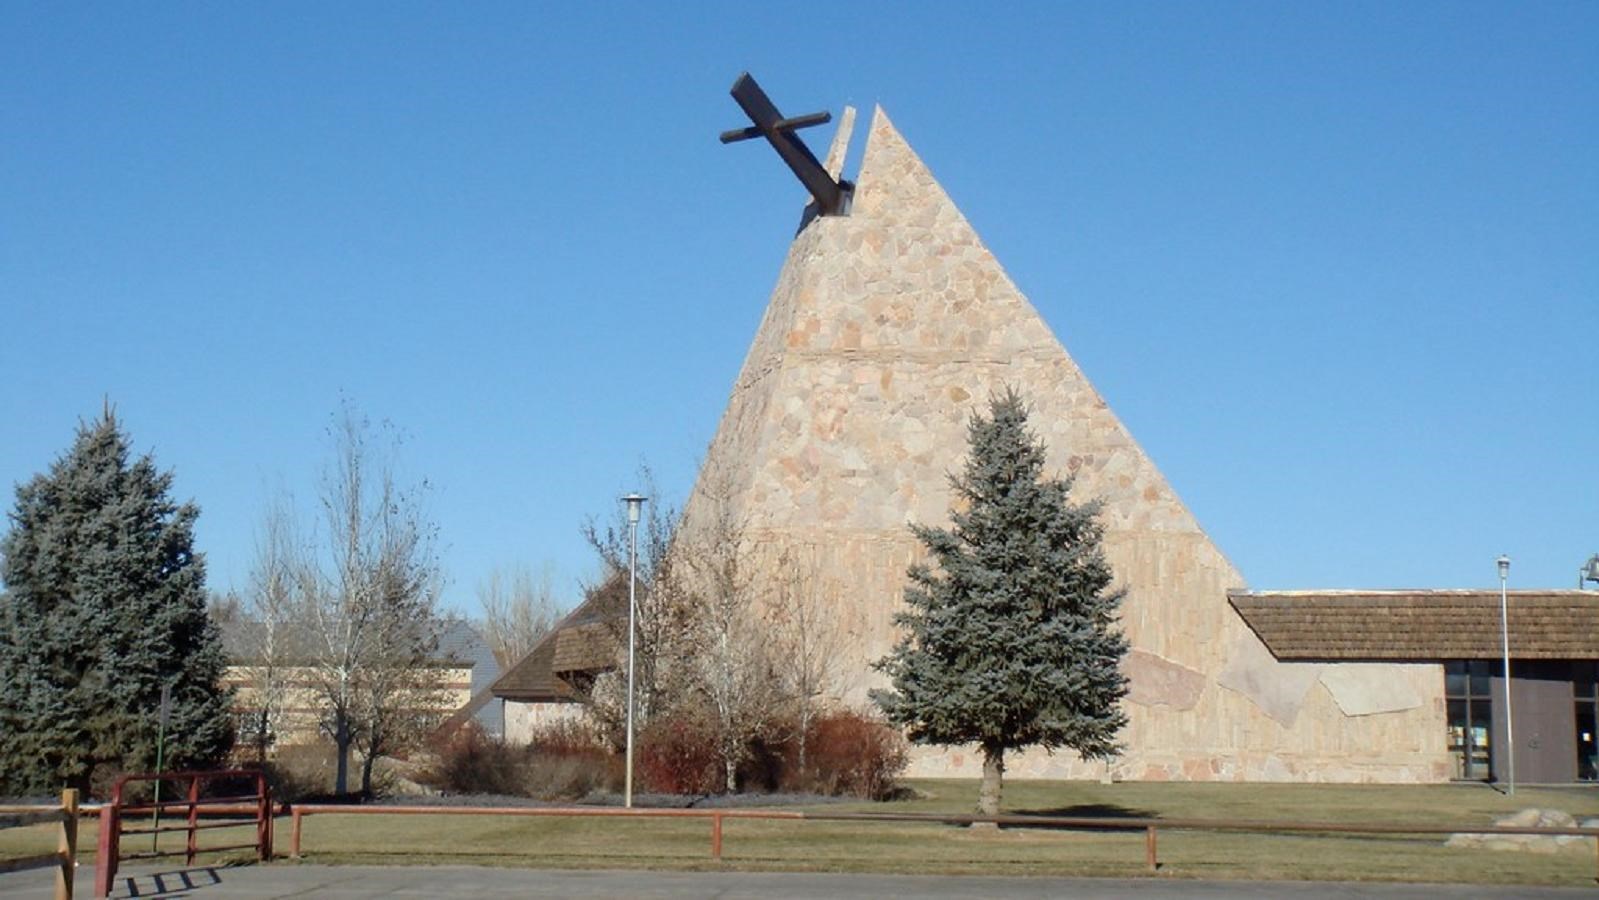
pixel 635 504
pixel 1589 571
pixel 1504 634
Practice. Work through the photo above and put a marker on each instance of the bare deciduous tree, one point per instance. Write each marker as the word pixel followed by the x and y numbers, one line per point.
pixel 371 600
pixel 727 660
pixel 401 695
pixel 660 624
pixel 807 641
pixel 224 607
pixel 519 609
pixel 267 629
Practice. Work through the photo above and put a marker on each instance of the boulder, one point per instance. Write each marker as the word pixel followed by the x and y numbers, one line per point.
pixel 1531 817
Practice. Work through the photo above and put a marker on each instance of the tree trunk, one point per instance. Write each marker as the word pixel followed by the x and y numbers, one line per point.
pixel 804 733
pixel 366 775
pixel 261 740
pixel 993 777
pixel 732 773
pixel 341 743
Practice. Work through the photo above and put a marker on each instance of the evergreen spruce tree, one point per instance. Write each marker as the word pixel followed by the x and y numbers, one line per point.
pixel 105 603
pixel 1011 640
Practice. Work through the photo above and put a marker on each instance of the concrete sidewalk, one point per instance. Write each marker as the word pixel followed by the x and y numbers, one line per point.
pixel 352 882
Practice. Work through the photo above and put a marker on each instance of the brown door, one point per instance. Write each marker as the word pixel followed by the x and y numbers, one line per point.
pixel 1544 722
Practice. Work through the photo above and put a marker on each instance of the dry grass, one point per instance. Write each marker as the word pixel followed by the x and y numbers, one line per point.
pixel 933 848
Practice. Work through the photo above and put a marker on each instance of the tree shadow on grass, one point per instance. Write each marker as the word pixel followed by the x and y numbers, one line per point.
pixel 1087 811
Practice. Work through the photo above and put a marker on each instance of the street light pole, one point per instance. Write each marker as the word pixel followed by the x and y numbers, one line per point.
pixel 1504 634
pixel 635 503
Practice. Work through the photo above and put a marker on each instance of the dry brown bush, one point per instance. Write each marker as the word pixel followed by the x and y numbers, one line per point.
pixel 563 762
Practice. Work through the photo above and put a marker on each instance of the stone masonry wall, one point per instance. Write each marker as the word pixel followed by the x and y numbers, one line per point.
pixel 886 330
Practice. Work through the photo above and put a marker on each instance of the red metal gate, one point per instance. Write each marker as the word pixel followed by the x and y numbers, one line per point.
pixel 257 806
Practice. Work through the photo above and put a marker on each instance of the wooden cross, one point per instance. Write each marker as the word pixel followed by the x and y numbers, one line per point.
pixel 769 123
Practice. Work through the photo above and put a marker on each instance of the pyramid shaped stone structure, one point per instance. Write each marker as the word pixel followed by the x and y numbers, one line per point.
pixel 887 328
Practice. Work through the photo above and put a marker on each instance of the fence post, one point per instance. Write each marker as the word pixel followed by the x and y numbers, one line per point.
pixel 263 824
pixel 68 845
pixel 105 863
pixel 194 819
pixel 294 833
pixel 716 835
pixel 1149 849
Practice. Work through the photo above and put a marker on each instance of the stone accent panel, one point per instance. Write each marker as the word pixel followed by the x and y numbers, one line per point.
pixel 1153 681
pixel 1366 689
pixel 886 330
pixel 1278 688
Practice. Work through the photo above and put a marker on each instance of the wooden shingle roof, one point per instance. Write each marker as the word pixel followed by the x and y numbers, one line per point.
pixel 583 642
pixel 585 648
pixel 1421 625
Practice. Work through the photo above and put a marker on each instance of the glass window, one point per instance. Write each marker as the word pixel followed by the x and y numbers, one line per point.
pixel 1587 745
pixel 1480 673
pixel 1459 727
pixel 1582 680
pixel 1481 717
pixel 1470 713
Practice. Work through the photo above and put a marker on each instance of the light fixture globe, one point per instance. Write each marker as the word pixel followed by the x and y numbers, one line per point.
pixel 1590 570
pixel 635 504
pixel 1504 566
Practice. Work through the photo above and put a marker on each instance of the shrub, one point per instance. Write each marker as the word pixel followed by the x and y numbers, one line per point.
pixel 563 762
pixel 567 761
pixel 471 762
pixel 849 752
pixel 567 737
pixel 676 754
pixel 301 771
pixel 771 762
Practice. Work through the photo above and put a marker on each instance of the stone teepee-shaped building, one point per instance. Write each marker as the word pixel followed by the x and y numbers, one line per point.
pixel 888 327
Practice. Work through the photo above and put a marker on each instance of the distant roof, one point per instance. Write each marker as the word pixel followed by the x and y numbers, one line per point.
pixel 459 642
pixel 583 642
pixel 1421 625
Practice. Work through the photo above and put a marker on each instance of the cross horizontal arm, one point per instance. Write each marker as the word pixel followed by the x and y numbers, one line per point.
pixel 755 131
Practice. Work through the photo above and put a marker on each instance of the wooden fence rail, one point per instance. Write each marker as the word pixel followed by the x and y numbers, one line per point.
pixel 1148 826
pixel 65 859
pixel 115 811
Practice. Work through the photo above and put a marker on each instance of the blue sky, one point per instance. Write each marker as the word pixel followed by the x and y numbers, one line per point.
pixel 1335 265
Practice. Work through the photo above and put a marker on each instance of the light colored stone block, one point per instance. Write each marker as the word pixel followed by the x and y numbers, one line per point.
pixel 1278 688
pixel 1365 689
pixel 1153 681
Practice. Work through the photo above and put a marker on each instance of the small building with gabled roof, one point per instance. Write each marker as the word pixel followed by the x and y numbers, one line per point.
pixel 549 683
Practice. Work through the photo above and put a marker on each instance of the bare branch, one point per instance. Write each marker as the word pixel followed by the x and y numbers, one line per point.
pixel 660 623
pixel 370 600
pixel 271 609
pixel 807 642
pixel 727 659
pixel 519 608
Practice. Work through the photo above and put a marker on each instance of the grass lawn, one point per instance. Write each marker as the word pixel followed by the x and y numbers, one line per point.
pixel 934 848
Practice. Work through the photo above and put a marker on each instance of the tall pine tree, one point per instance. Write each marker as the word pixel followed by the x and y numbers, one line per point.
pixel 1011 641
pixel 105 604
